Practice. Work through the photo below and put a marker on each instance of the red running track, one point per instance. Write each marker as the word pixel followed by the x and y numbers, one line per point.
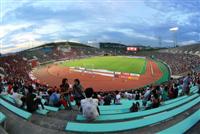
pixel 53 75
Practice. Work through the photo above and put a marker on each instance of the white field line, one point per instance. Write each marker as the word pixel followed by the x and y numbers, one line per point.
pixel 152 72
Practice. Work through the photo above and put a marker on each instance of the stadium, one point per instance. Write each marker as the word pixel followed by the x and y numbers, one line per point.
pixel 104 86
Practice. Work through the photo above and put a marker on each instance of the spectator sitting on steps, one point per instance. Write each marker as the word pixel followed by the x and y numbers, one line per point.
pixel 117 98
pixel 89 106
pixel 32 101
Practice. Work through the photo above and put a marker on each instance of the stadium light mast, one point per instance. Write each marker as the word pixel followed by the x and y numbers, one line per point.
pixel 174 31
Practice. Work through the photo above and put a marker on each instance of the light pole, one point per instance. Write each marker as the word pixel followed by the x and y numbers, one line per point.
pixel 174 31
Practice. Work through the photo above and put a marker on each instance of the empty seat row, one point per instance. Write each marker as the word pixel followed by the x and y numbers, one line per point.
pixel 141 113
pixel 132 124
pixel 184 125
pixel 11 100
pixel 24 114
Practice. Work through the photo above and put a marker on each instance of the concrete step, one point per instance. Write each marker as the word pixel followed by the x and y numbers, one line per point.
pixel 2 130
pixel 17 125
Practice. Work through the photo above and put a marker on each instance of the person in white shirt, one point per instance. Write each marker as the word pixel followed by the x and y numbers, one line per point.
pixel 18 98
pixel 89 106
pixel 129 95
pixel 117 98
pixel 147 94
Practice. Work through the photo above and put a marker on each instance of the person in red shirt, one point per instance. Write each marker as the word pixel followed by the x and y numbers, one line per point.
pixel 10 86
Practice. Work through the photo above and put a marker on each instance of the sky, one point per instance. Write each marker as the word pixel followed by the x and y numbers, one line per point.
pixel 28 23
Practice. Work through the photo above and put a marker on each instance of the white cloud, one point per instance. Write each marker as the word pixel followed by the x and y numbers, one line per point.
pixel 22 46
pixel 76 34
pixel 48 27
pixel 7 28
pixel 74 40
pixel 193 33
pixel 21 41
pixel 24 37
pixel 84 20
pixel 168 41
pixel 11 5
pixel 179 17
pixel 103 38
pixel 63 5
pixel 131 33
pixel 188 42
pixel 54 28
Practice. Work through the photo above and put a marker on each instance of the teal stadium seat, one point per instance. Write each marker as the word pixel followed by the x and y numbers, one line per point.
pixel 132 124
pixel 53 109
pixel 140 113
pixel 11 100
pixel 50 108
pixel 184 125
pixel 126 104
pixel 125 109
pixel 42 111
pixel 24 114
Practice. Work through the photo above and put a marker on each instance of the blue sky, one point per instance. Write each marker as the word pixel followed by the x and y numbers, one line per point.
pixel 29 23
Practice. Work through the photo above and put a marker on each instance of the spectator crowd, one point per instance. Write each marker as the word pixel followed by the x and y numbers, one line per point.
pixel 180 63
pixel 30 95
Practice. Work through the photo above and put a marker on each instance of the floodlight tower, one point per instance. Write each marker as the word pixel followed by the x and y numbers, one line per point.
pixel 174 31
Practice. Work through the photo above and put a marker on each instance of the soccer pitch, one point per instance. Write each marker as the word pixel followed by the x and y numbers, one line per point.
pixel 111 63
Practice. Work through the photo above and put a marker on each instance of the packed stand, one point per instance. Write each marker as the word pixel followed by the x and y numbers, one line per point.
pixel 30 95
pixel 180 63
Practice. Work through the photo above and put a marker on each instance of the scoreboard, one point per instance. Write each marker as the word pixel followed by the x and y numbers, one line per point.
pixel 134 49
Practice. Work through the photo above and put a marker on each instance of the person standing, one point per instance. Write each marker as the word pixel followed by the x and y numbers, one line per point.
pixel 64 87
pixel 186 83
pixel 117 98
pixel 107 99
pixel 78 92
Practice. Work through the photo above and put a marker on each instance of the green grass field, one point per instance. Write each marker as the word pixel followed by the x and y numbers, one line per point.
pixel 111 63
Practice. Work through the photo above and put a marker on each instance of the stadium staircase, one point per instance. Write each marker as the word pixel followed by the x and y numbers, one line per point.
pixel 177 115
